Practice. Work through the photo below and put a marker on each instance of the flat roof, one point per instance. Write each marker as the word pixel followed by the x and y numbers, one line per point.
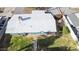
pixel 38 22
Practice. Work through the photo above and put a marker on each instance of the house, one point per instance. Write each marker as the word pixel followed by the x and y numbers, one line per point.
pixel 38 22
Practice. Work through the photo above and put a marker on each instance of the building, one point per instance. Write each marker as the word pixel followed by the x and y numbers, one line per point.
pixel 38 22
pixel 74 21
pixel 3 24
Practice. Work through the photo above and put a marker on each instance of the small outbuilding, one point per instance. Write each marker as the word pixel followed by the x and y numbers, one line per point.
pixel 38 22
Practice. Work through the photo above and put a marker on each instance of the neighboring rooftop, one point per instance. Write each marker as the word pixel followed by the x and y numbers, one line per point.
pixel 74 19
pixel 7 11
pixel 25 10
pixel 3 23
pixel 63 10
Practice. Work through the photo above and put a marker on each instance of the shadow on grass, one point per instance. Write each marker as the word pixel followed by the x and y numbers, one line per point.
pixel 44 43
pixel 5 42
pixel 26 48
pixel 58 49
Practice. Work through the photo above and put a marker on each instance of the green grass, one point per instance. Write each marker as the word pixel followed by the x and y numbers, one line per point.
pixel 65 30
pixel 20 43
pixel 64 41
pixel 58 42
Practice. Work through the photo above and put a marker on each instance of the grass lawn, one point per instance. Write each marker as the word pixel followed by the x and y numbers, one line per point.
pixel 20 43
pixel 61 42
pixel 64 41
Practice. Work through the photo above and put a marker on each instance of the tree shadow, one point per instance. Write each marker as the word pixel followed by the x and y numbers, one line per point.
pixel 5 42
pixel 58 49
pixel 44 43
pixel 27 48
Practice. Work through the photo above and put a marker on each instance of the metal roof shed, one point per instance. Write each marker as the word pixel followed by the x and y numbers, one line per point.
pixel 38 22
pixel 74 20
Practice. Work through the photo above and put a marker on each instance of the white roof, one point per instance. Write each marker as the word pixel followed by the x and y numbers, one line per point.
pixel 38 22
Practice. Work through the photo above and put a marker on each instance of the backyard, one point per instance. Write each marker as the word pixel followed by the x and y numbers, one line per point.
pixel 20 43
pixel 58 43
pixel 64 43
pixel 52 43
pixel 61 42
